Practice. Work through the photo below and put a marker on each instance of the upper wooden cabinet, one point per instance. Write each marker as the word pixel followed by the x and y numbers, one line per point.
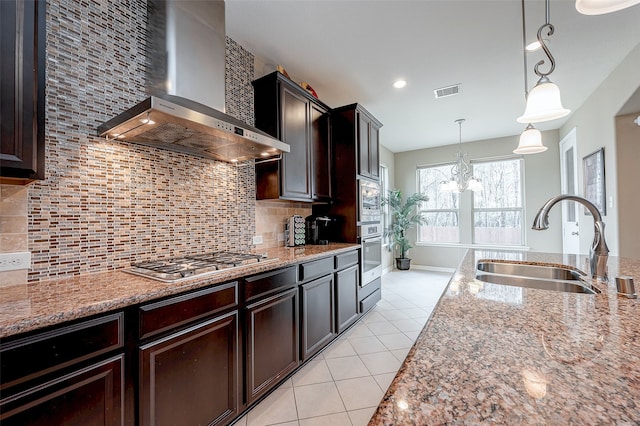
pixel 22 90
pixel 356 133
pixel 288 112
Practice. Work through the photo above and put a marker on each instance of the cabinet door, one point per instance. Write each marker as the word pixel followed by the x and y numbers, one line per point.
pixel 22 90
pixel 192 377
pixel 295 179
pixel 364 169
pixel 320 153
pixel 89 396
pixel 318 324
pixel 271 342
pixel 346 297
pixel 374 151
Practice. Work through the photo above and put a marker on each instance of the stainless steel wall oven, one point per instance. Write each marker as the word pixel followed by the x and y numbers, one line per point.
pixel 371 252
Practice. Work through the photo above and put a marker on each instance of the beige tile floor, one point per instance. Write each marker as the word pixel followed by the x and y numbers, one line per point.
pixel 344 384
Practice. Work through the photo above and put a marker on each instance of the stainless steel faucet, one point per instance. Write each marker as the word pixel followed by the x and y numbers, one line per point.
pixel 599 252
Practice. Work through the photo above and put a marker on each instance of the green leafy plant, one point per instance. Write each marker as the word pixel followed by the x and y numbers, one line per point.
pixel 403 217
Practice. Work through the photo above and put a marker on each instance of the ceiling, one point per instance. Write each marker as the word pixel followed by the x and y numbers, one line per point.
pixel 353 50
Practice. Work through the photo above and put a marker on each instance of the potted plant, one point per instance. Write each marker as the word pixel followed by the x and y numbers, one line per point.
pixel 403 217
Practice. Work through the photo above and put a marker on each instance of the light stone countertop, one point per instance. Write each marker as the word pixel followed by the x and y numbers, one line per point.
pixel 510 355
pixel 33 306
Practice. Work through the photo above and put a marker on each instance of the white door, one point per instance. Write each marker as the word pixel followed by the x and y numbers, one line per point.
pixel 569 185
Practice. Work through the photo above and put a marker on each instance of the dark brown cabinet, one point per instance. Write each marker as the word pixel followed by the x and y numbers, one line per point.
pixel 289 113
pixel 201 357
pixel 271 330
pixel 357 134
pixel 192 376
pixel 347 297
pixel 72 374
pixel 317 319
pixel 368 148
pixel 190 373
pixel 22 90
pixel 90 396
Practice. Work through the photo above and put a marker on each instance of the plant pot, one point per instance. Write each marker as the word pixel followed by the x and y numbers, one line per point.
pixel 403 264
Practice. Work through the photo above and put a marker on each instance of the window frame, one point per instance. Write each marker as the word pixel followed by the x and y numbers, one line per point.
pixel 466 211
pixel 386 213
pixel 521 209
pixel 446 210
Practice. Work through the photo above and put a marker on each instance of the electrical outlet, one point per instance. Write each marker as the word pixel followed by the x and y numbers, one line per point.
pixel 15 261
pixel 257 239
pixel 281 236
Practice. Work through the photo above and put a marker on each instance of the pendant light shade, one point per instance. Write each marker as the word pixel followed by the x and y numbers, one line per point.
pixel 543 103
pixel 530 142
pixel 600 7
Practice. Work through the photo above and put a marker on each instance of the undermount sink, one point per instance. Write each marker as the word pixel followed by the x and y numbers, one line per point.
pixel 530 275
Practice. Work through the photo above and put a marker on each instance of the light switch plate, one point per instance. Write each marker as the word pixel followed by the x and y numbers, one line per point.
pixel 15 261
pixel 257 239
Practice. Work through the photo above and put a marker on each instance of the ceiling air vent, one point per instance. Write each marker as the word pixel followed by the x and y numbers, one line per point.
pixel 447 91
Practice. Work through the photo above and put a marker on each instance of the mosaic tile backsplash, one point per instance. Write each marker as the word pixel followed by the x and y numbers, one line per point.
pixel 105 204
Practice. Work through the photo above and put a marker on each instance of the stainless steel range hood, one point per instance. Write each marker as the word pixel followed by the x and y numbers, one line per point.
pixel 186 77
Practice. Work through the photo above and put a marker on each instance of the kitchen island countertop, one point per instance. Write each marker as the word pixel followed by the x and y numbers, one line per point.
pixel 510 355
pixel 37 305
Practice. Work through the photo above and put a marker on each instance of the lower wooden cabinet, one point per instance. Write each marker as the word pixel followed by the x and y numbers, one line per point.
pixel 271 339
pixel 347 297
pixel 192 377
pixel 317 315
pixel 88 396
pixel 202 357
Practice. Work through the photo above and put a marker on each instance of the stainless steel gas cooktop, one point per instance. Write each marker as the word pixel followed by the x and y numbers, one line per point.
pixel 179 268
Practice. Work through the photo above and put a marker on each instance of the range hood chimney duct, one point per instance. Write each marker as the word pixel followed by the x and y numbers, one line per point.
pixel 186 81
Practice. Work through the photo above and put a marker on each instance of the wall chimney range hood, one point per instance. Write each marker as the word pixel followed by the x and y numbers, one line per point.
pixel 178 124
pixel 186 80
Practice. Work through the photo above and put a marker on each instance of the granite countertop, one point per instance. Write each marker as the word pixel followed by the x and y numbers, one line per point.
pixel 510 355
pixel 29 307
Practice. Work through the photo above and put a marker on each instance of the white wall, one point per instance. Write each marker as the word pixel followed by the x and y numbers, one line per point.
pixel 595 125
pixel 542 181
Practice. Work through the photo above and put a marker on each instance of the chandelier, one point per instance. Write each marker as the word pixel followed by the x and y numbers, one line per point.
pixel 461 176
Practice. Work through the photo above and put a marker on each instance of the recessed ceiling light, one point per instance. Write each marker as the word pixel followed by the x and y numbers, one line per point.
pixel 399 84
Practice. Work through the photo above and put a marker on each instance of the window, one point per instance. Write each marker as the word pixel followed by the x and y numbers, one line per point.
pixel 384 189
pixel 493 216
pixel 441 211
pixel 498 210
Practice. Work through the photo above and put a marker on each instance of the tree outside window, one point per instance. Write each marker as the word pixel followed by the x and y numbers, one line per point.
pixel 493 216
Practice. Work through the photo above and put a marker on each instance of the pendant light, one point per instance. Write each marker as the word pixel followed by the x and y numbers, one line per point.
pixel 461 176
pixel 531 138
pixel 543 101
pixel 600 7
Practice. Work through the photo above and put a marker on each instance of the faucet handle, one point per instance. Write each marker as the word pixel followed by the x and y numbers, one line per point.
pixel 625 287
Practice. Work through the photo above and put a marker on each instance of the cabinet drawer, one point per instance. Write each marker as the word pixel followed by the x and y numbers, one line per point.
pixel 370 301
pixel 316 268
pixel 346 259
pixel 166 314
pixel 269 282
pixel 42 353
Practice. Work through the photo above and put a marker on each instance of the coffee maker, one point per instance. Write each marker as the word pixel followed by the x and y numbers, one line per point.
pixel 319 229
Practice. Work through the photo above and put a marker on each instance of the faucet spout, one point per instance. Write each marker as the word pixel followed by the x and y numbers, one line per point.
pixel 598 252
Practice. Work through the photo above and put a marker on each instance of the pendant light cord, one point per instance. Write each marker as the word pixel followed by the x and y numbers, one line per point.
pixel 524 52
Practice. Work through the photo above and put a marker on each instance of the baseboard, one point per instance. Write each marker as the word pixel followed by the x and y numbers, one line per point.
pixel 433 268
pixel 387 270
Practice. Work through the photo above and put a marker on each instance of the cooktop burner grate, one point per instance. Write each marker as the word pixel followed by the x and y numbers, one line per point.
pixel 174 269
